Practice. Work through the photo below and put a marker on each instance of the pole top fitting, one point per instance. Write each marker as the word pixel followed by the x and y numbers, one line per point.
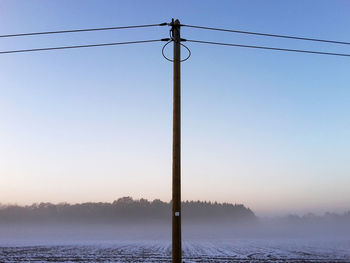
pixel 175 30
pixel 174 23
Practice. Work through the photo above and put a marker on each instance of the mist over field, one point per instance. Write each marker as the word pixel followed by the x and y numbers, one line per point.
pixel 128 219
pixel 128 230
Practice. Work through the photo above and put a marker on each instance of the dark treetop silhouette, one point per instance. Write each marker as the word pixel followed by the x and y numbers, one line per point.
pixel 124 209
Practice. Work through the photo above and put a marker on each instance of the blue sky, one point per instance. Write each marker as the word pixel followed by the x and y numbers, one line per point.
pixel 263 128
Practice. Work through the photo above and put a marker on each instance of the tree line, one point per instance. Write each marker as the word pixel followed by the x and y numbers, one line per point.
pixel 125 209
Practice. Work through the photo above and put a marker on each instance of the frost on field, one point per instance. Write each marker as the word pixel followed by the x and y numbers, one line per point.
pixel 235 250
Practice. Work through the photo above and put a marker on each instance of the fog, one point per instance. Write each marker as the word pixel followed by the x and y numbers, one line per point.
pixel 127 219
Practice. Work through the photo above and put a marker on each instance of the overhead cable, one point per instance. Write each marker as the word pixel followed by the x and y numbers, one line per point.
pixel 80 30
pixel 269 48
pixel 79 46
pixel 269 35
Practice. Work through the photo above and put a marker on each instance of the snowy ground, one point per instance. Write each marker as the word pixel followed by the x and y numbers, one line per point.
pixel 234 250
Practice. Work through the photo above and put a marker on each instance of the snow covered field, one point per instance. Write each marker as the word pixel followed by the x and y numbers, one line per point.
pixel 233 250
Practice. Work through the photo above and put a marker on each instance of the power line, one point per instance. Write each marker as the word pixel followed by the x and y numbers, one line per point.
pixel 80 30
pixel 270 48
pixel 269 35
pixel 79 46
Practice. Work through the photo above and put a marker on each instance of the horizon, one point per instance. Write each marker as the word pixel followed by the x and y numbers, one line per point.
pixel 267 215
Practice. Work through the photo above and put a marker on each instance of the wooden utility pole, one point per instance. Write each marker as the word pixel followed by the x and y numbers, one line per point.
pixel 176 199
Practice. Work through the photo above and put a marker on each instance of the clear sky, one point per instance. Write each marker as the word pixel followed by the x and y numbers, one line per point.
pixel 266 129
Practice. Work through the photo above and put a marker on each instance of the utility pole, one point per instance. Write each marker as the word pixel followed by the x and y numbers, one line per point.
pixel 176 199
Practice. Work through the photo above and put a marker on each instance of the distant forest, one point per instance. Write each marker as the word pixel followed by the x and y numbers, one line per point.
pixel 124 210
pixel 311 218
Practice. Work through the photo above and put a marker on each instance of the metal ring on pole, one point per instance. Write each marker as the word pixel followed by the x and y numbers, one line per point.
pixel 171 60
pixel 189 52
pixel 163 51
